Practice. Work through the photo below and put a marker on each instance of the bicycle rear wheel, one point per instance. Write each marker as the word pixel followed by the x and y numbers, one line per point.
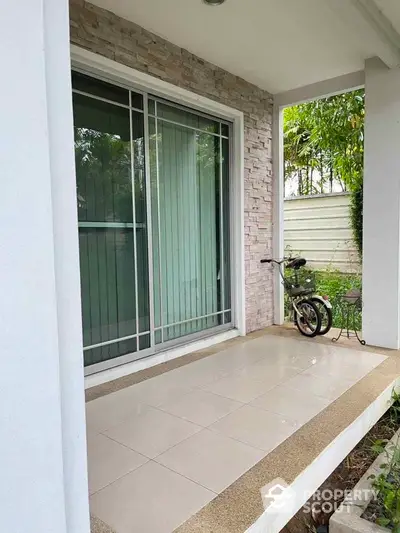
pixel 308 318
pixel 326 315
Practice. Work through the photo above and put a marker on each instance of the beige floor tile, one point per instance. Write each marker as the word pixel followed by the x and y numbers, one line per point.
pixel 210 459
pixel 346 355
pixel 198 373
pixel 241 388
pixel 158 390
pixel 152 432
pixel 108 461
pixel 151 499
pixel 292 355
pixel 294 352
pixel 296 405
pixel 350 370
pixel 243 354
pixel 110 410
pixel 256 427
pixel 347 363
pixel 267 369
pixel 201 407
pixel 287 381
pixel 295 358
pixel 330 387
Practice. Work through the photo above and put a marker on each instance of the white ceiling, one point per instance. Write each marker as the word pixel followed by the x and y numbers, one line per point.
pixel 276 44
pixel 391 9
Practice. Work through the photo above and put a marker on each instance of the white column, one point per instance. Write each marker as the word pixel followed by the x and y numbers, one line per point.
pixel 278 210
pixel 43 481
pixel 381 242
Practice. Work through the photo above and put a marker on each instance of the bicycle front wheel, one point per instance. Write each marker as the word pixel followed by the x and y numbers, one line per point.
pixel 307 318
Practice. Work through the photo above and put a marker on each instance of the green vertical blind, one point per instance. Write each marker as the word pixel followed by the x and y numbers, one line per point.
pixel 182 157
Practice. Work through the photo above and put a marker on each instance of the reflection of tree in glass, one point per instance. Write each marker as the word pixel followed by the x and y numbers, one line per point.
pixel 207 151
pixel 103 171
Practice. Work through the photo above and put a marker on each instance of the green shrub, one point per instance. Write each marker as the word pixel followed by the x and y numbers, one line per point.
pixel 356 216
pixel 385 510
pixel 334 285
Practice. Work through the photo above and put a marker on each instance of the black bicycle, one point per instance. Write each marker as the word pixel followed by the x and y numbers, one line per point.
pixel 312 314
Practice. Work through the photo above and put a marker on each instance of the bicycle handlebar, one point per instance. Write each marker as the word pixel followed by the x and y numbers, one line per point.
pixel 276 261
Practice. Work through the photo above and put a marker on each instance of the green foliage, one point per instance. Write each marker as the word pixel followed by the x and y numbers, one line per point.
pixel 335 284
pixel 324 143
pixel 324 150
pixel 356 216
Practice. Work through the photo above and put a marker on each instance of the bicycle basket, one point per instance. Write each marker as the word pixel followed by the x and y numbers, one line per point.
pixel 302 283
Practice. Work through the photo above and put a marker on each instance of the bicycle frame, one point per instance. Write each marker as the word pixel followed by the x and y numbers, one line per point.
pixel 300 288
pixel 293 299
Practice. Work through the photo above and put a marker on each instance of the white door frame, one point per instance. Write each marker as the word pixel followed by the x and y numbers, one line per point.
pixel 118 73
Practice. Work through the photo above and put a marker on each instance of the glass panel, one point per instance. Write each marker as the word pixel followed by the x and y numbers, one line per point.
pixel 106 230
pixel 226 222
pixel 107 285
pixel 144 342
pixel 136 100
pixel 225 130
pixel 189 191
pixel 208 182
pixel 86 84
pixel 103 161
pixel 186 118
pixel 196 326
pixel 228 317
pixel 186 227
pixel 110 351
pixel 138 149
pixel 151 106
pixel 157 336
pixel 153 140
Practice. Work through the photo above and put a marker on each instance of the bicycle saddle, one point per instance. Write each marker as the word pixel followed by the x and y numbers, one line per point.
pixel 296 263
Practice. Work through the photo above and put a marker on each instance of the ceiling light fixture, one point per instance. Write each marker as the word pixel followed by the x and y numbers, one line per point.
pixel 213 2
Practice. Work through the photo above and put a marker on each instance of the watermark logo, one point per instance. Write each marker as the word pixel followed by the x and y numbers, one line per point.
pixel 327 501
pixel 278 497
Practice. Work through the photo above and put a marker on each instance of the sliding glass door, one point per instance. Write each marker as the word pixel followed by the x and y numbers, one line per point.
pixel 187 178
pixel 153 210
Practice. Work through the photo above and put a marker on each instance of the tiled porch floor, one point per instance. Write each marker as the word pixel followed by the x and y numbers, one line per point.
pixel 160 450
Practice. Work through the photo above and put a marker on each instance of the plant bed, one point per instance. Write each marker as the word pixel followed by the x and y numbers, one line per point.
pixel 345 477
pixel 365 510
pixel 385 508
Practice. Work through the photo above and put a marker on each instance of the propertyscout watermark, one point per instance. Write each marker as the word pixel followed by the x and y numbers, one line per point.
pixel 279 498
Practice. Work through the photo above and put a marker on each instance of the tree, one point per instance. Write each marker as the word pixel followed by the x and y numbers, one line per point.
pixel 324 150
pixel 324 144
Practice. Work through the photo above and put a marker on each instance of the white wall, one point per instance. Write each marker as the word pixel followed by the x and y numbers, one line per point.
pixel 318 228
pixel 43 486
pixel 381 260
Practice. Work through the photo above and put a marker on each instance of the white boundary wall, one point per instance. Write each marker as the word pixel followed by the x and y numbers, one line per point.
pixel 318 228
